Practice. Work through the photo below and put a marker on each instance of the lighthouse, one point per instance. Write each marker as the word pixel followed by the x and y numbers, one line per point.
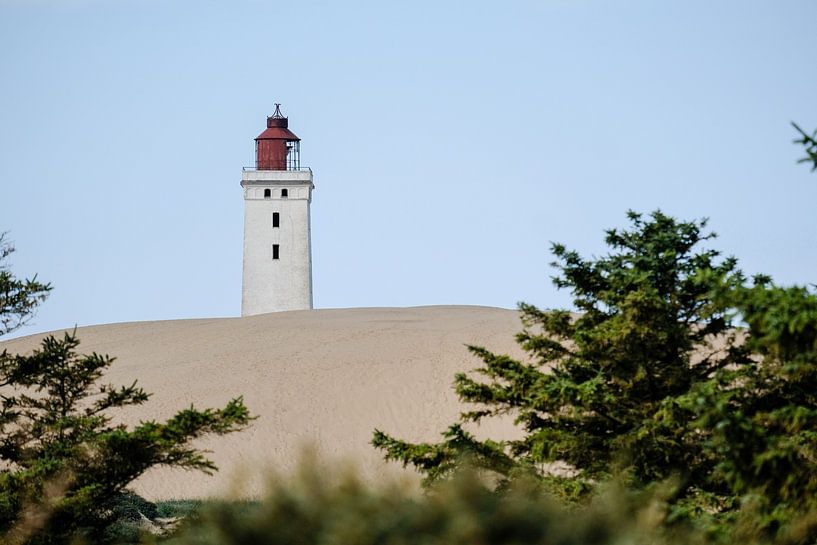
pixel 277 247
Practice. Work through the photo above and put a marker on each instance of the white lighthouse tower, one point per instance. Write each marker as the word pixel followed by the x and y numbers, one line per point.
pixel 277 246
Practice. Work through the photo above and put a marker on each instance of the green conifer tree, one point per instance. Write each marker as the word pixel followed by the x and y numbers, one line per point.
pixel 63 462
pixel 18 297
pixel 607 388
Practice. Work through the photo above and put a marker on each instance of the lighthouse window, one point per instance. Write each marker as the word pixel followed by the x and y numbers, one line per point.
pixel 276 219
pixel 267 194
pixel 284 193
pixel 275 251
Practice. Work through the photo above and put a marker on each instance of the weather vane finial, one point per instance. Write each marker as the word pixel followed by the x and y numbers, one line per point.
pixel 277 114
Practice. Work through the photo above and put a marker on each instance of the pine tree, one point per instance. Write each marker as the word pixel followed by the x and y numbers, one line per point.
pixel 63 462
pixel 18 297
pixel 605 389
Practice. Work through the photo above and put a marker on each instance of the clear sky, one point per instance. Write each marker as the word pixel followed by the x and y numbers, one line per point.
pixel 451 142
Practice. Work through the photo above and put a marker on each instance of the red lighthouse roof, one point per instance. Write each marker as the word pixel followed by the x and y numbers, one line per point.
pixel 277 148
pixel 277 128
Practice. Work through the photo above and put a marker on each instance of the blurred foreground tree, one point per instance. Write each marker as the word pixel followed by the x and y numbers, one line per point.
pixel 63 463
pixel 323 506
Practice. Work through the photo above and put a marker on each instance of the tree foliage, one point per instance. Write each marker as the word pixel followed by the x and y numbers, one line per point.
pixel 809 142
pixel 603 389
pixel 63 460
pixel 649 382
pixel 18 297
pixel 762 418
pixel 323 507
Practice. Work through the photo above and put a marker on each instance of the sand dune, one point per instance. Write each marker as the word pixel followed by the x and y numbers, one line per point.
pixel 324 378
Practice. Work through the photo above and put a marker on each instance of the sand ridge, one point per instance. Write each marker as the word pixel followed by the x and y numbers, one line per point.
pixel 320 378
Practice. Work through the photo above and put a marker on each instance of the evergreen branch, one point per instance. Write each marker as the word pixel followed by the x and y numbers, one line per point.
pixel 809 142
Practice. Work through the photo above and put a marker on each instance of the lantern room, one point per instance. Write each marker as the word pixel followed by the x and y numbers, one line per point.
pixel 277 148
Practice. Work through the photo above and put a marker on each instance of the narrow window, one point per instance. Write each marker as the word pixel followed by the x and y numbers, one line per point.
pixel 267 194
pixel 284 193
pixel 274 251
pixel 276 219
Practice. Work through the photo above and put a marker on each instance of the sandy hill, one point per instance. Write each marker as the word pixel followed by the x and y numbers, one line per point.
pixel 324 378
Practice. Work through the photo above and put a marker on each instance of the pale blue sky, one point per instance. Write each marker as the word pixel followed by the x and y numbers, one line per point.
pixel 450 142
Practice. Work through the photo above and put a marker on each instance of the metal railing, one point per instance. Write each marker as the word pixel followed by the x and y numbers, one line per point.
pixel 288 169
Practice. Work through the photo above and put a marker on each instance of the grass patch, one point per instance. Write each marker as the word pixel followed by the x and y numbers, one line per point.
pixel 179 508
